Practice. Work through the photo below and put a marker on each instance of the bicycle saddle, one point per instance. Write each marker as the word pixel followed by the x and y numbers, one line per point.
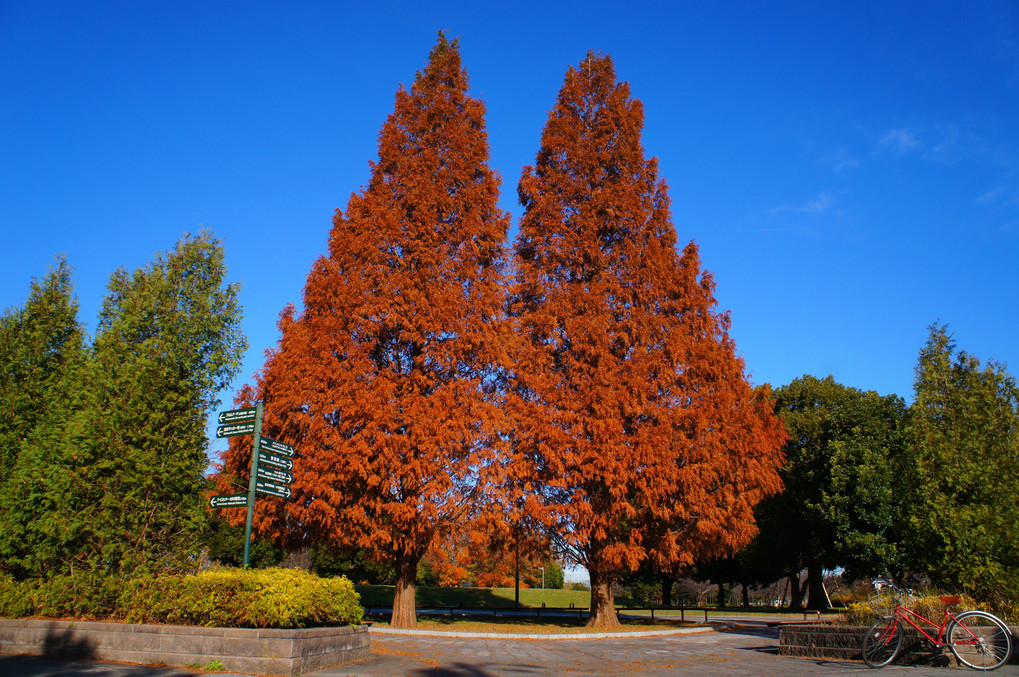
pixel 951 599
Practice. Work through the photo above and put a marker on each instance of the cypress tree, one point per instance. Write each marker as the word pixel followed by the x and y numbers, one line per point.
pixel 42 354
pixel 384 382
pixel 636 434
pixel 960 476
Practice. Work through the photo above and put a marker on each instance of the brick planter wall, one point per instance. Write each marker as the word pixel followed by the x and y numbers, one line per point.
pixel 277 651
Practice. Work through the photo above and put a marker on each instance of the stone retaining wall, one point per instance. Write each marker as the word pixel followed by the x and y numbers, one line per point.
pixel 846 641
pixel 277 651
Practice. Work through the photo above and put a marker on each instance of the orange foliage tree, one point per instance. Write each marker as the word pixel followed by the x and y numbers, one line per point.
pixel 385 382
pixel 637 436
pixel 491 552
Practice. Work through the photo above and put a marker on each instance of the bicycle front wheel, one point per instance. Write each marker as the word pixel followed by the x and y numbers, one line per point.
pixel 980 640
pixel 882 642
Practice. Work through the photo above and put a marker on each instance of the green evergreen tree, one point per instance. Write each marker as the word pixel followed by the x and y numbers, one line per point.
pixel 112 478
pixel 961 475
pixel 42 353
pixel 37 343
pixel 168 341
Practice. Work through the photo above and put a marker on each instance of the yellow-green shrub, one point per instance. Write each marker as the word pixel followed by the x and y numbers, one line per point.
pixel 927 604
pixel 261 598
pixel 62 596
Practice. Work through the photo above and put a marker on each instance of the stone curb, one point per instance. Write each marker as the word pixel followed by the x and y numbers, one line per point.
pixel 546 637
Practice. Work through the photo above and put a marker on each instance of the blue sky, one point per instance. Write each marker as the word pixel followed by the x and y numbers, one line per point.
pixel 850 170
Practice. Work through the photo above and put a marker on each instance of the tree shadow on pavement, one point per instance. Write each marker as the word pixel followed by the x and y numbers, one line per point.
pixel 49 666
pixel 761 631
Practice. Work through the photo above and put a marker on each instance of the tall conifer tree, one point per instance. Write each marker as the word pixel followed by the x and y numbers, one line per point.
pixel 168 342
pixel 37 344
pixel 384 382
pixel 42 353
pixel 961 471
pixel 637 434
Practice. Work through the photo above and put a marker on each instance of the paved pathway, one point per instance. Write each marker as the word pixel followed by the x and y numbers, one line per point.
pixel 748 651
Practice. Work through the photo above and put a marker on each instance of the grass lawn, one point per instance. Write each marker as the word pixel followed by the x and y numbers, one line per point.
pixel 502 598
pixel 543 626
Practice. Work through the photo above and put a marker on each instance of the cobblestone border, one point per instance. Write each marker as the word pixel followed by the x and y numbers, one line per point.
pixel 266 651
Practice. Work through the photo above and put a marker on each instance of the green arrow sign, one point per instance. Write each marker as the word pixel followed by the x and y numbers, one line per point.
pixel 235 429
pixel 277 476
pixel 272 489
pixel 275 461
pixel 237 415
pixel 269 444
pixel 229 501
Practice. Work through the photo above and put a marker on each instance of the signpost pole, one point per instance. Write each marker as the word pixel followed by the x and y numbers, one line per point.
pixel 255 443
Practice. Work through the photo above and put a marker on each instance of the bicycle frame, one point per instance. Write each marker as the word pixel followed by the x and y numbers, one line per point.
pixel 904 614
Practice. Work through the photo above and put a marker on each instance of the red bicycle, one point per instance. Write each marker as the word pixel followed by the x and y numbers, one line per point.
pixel 978 639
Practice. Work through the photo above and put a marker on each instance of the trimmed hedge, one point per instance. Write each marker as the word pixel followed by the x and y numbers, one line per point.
pixel 261 598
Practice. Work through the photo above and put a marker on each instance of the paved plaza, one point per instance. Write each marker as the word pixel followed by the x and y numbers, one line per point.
pixel 743 651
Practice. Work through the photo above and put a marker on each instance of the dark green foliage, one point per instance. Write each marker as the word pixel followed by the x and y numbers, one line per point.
pixel 838 507
pixel 225 542
pixel 352 562
pixel 961 474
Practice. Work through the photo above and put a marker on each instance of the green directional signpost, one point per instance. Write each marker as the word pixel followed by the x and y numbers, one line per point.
pixel 274 461
pixel 230 501
pixel 235 429
pixel 270 465
pixel 272 489
pixel 273 447
pixel 277 476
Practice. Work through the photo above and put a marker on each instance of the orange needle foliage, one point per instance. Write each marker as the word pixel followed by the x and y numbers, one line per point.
pixel 637 435
pixel 384 382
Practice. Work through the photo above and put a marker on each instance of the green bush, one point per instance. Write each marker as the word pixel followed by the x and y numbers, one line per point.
pixel 262 598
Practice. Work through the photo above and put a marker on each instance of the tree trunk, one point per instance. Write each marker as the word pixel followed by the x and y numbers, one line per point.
pixel 746 596
pixel 516 577
pixel 668 581
pixel 795 593
pixel 404 610
pixel 817 599
pixel 721 595
pixel 603 603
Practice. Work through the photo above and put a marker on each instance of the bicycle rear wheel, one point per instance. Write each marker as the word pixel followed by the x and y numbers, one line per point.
pixel 980 640
pixel 882 642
